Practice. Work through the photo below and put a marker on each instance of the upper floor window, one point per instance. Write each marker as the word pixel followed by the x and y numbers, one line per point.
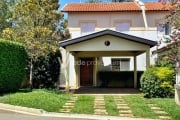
pixel 87 27
pixel 163 28
pixel 124 26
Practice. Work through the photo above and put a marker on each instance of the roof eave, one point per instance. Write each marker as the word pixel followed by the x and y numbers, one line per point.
pixel 107 32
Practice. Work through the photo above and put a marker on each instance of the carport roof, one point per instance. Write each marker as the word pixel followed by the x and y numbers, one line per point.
pixel 107 32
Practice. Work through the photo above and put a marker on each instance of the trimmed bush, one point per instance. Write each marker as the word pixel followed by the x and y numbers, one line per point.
pixel 158 82
pixel 46 70
pixel 13 61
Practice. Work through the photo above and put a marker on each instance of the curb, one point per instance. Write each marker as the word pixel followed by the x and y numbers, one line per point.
pixel 91 117
pixel 20 109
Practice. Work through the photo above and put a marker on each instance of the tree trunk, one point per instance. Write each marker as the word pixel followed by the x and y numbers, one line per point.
pixel 31 73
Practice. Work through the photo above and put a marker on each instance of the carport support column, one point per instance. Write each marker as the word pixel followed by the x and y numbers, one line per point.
pixel 135 71
pixel 67 87
pixel 95 72
pixel 77 72
pixel 147 58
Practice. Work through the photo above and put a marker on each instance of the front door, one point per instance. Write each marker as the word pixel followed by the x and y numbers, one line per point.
pixel 86 72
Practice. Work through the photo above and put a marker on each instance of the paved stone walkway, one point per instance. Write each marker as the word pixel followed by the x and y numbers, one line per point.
pixel 162 114
pixel 99 105
pixel 69 105
pixel 122 106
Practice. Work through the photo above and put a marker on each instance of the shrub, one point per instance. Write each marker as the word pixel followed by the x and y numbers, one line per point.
pixel 158 82
pixel 46 70
pixel 13 61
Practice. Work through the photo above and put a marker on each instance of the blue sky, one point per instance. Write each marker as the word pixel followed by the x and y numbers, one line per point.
pixel 63 2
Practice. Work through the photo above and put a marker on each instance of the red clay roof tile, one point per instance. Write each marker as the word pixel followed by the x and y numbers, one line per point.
pixel 111 7
pixel 100 7
pixel 157 6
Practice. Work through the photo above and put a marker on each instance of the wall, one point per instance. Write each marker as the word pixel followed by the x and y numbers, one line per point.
pixel 107 20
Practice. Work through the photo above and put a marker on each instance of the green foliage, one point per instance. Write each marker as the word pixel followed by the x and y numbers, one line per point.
pixel 165 62
pixel 39 26
pixel 168 105
pixel 158 82
pixel 40 99
pixel 13 61
pixel 110 105
pixel 5 14
pixel 84 105
pixel 46 70
pixel 139 106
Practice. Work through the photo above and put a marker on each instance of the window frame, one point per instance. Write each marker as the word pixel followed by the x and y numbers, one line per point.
pixel 120 21
pixel 118 66
pixel 87 22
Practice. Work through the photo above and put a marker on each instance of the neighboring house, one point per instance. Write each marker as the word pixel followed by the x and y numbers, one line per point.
pixel 109 37
pixel 168 52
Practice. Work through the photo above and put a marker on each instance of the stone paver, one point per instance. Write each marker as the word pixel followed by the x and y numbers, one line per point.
pixel 162 114
pixel 99 106
pixel 165 117
pixel 155 108
pixel 122 106
pixel 69 105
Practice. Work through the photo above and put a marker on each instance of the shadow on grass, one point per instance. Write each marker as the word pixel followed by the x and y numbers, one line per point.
pixel 24 90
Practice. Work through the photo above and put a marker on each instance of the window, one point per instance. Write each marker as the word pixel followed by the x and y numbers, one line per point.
pixel 120 64
pixel 163 29
pixel 87 28
pixel 122 26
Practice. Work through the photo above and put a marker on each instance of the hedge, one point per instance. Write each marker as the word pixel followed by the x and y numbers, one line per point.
pixel 13 61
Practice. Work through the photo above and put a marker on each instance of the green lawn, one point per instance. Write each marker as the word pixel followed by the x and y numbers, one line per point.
pixel 168 105
pixel 53 101
pixel 41 99
pixel 84 104
pixel 139 106
pixel 111 105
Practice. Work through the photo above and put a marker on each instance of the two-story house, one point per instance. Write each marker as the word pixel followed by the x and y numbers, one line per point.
pixel 109 37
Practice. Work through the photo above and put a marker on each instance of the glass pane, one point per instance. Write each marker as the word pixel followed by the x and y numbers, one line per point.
pixel 122 26
pixel 87 27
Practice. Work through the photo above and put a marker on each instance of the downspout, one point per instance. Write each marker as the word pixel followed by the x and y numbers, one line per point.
pixel 142 7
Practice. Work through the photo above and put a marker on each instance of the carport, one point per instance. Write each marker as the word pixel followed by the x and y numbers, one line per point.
pixel 87 50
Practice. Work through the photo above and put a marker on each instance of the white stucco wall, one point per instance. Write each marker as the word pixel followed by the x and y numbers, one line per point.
pixel 107 20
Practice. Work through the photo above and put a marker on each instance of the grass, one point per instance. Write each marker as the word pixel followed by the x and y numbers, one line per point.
pixel 84 104
pixel 139 107
pixel 52 102
pixel 41 99
pixel 168 105
pixel 111 105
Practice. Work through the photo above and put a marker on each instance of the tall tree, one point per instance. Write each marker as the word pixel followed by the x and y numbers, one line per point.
pixel 173 19
pixel 5 14
pixel 39 26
